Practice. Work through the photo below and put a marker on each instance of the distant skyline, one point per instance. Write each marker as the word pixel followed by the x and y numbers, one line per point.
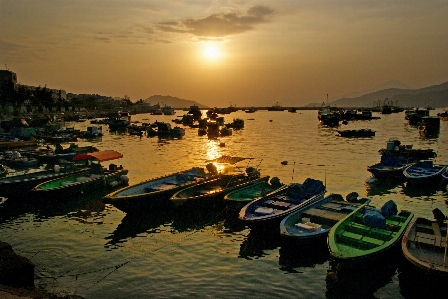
pixel 217 53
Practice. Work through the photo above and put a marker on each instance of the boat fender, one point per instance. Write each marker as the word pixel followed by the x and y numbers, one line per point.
pixel 124 179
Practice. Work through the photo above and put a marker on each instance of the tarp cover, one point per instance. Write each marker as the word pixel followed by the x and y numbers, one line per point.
pixel 101 156
pixel 228 159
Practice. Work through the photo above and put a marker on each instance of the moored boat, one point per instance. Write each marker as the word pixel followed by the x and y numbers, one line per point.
pixel 154 192
pixel 390 166
pixel 238 198
pixel 394 147
pixel 214 189
pixel 19 185
pixel 356 133
pixel 315 220
pixel 425 243
pixel 269 210
pixel 368 234
pixel 96 179
pixel 424 171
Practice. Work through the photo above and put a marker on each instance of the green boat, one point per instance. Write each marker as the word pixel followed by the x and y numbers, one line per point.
pixel 96 179
pixel 240 197
pixel 367 233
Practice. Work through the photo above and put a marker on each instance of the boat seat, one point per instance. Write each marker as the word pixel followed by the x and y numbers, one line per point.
pixel 370 232
pixel 355 240
pixel 279 205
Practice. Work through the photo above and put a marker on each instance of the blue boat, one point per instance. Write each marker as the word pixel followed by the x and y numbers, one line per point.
pixel 315 220
pixel 389 167
pixel 269 210
pixel 424 172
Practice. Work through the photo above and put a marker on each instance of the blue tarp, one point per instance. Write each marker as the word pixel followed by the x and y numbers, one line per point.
pixel 374 219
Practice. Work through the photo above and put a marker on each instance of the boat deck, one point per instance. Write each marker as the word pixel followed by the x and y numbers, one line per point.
pixel 358 235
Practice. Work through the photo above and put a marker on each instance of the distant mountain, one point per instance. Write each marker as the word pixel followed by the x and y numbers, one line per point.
pixel 435 96
pixel 172 101
pixel 387 85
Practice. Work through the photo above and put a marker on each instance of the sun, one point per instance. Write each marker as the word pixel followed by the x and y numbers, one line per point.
pixel 212 52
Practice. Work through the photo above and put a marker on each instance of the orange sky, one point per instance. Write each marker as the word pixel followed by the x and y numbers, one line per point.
pixel 293 52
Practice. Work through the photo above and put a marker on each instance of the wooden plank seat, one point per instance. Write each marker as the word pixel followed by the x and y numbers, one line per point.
pixel 355 240
pixel 370 232
pixel 275 204
pixel 322 216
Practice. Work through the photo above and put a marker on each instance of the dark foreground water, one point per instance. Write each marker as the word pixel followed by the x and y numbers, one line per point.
pixel 85 248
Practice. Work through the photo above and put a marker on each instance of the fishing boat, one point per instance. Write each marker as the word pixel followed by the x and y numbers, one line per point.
pixel 314 221
pixel 213 190
pixel 155 192
pixel 367 234
pixel 395 148
pixel 236 199
pixel 389 167
pixel 20 185
pixel 423 172
pixel 425 243
pixel 356 133
pixel 269 210
pixel 95 179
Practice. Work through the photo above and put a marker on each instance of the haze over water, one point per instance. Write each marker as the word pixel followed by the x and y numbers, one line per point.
pixel 93 250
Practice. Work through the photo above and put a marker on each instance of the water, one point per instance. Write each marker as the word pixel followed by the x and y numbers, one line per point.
pixel 92 250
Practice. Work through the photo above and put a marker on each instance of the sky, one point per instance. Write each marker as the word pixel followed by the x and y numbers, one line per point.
pixel 225 52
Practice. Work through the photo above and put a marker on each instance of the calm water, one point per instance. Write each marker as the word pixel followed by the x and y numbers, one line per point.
pixel 93 250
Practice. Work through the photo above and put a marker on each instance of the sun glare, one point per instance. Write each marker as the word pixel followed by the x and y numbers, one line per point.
pixel 211 52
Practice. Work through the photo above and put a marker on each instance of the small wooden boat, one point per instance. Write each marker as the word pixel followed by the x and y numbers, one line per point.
pixel 19 185
pixel 238 198
pixel 96 179
pixel 154 192
pixel 356 133
pixel 367 234
pixel 425 245
pixel 423 172
pixel 315 220
pixel 269 210
pixel 390 166
pixel 215 188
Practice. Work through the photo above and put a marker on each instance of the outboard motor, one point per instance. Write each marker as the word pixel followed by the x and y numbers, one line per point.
pixel 439 216
pixel 212 168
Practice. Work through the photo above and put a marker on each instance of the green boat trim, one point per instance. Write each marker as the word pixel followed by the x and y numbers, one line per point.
pixel 251 192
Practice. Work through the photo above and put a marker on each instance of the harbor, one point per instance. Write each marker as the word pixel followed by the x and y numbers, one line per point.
pixel 85 247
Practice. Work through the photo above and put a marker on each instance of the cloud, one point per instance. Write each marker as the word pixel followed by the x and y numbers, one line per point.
pixel 220 25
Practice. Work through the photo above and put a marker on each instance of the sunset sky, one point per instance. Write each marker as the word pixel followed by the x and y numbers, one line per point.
pixel 225 52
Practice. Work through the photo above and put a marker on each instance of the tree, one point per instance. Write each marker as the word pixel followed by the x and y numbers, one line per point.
pixel 43 97
pixel 20 95
pixel 14 94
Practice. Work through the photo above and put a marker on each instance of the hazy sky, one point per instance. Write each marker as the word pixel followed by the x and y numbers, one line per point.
pixel 289 51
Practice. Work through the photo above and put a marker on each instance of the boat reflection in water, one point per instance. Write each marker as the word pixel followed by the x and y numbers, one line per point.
pixel 344 281
pixel 376 187
pixel 257 243
pixel 303 254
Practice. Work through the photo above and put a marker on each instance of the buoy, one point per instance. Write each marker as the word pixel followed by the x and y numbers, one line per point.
pixel 284 162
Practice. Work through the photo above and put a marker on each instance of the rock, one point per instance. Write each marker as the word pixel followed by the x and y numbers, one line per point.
pixel 15 270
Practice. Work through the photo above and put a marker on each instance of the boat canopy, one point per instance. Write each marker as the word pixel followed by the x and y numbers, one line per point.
pixel 228 159
pixel 101 156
